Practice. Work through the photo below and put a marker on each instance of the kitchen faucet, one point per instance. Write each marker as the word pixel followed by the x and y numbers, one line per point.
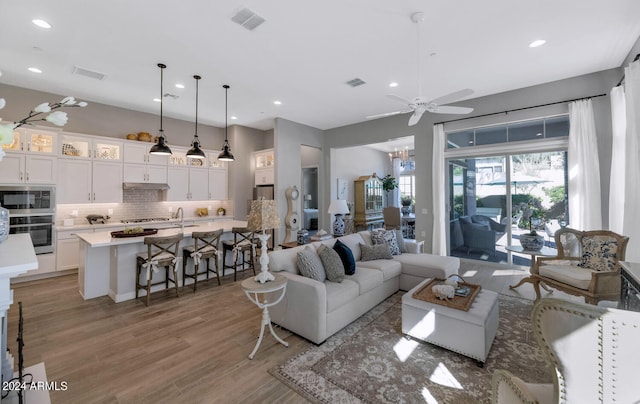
pixel 181 213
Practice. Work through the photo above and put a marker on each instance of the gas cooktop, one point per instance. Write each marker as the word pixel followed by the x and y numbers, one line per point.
pixel 143 220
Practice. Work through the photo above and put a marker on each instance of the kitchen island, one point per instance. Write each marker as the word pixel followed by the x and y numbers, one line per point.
pixel 108 265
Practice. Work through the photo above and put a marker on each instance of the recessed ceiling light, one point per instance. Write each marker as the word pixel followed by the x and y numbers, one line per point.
pixel 156 99
pixel 234 117
pixel 277 102
pixel 536 43
pixel 393 84
pixel 41 23
pixel 34 70
pixel 179 85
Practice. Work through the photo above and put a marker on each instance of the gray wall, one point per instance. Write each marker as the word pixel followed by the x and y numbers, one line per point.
pixel 349 163
pixel 288 137
pixel 386 128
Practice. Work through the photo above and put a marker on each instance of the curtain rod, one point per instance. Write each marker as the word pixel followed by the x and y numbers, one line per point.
pixel 622 79
pixel 520 109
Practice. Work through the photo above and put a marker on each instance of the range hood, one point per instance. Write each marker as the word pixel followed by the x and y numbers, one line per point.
pixel 145 185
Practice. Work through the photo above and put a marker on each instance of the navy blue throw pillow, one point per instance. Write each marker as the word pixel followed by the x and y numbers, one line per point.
pixel 346 256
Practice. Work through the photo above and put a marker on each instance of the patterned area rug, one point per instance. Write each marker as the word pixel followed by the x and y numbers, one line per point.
pixel 371 361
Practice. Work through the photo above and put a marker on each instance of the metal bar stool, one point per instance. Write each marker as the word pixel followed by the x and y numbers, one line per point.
pixel 243 243
pixel 205 246
pixel 162 251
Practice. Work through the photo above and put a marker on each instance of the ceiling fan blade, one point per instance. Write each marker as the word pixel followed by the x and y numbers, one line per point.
pixel 415 118
pixel 389 114
pixel 449 98
pixel 450 109
pixel 399 99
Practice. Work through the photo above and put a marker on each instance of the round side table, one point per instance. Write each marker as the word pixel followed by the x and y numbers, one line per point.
pixel 252 289
pixel 544 252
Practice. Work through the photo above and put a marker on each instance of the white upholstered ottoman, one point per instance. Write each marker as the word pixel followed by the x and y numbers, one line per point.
pixel 470 333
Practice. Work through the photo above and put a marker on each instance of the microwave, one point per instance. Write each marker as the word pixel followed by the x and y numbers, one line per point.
pixel 28 199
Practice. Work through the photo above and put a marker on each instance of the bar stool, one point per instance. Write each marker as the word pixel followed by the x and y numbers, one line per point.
pixel 161 251
pixel 243 242
pixel 205 246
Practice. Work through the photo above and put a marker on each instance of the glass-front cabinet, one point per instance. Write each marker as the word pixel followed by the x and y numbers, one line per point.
pixel 32 140
pixel 72 145
pixel 368 202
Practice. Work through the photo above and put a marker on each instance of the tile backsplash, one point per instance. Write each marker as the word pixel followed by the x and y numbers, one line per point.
pixel 138 204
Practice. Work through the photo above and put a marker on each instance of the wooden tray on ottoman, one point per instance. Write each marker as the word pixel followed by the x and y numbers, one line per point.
pixel 122 234
pixel 458 302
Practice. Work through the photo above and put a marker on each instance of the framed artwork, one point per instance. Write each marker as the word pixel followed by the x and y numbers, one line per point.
pixel 342 188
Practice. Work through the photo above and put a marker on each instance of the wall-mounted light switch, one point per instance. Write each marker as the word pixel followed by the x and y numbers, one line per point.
pixel 425 211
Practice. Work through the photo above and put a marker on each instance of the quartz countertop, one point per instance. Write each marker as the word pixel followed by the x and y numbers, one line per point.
pixel 18 255
pixel 103 238
pixel 110 225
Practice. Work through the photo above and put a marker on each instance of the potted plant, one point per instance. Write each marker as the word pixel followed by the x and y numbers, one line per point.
pixel 532 241
pixel 406 202
pixel 389 183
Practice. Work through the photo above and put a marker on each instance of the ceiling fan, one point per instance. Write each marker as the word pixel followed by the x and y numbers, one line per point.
pixel 420 104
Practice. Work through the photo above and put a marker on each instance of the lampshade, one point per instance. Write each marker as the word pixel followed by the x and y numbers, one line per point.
pixel 263 215
pixel 338 207
pixel 195 152
pixel 226 149
pixel 161 147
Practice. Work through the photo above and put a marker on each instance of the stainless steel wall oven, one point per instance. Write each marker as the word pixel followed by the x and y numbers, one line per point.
pixel 31 210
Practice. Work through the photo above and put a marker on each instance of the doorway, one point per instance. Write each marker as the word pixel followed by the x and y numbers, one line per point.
pixel 310 162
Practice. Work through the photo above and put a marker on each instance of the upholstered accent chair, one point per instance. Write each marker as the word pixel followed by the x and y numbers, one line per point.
pixel 588 264
pixel 591 349
pixel 480 232
pixel 391 215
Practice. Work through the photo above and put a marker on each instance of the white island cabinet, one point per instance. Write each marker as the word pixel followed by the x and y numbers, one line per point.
pixel 108 265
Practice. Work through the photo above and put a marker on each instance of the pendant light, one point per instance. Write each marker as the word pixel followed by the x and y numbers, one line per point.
pixel 160 148
pixel 226 149
pixel 195 152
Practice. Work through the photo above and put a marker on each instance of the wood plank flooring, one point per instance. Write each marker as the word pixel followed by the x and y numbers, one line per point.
pixel 191 349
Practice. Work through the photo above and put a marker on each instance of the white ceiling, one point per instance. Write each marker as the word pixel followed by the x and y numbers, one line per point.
pixel 305 52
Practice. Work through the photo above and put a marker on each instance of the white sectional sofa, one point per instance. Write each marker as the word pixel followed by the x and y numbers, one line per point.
pixel 316 310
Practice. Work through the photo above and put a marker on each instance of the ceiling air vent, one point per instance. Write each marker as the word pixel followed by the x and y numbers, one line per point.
pixel 172 96
pixel 248 19
pixel 88 73
pixel 355 82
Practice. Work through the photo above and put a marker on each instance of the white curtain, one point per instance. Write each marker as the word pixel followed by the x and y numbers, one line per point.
pixel 616 187
pixel 585 211
pixel 439 243
pixel 631 213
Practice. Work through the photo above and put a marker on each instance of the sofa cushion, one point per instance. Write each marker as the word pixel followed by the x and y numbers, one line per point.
pixel 310 264
pixel 375 252
pixel 339 294
pixel 400 241
pixel 332 263
pixel 428 265
pixel 389 268
pixel 570 274
pixel 367 279
pixel 353 242
pixel 285 260
pixel 366 236
pixel 346 255
pixel 388 237
pixel 599 254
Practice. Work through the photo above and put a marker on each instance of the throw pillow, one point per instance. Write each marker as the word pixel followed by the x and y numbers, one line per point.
pixel 388 237
pixel 332 263
pixel 310 265
pixel 599 254
pixel 346 256
pixel 375 252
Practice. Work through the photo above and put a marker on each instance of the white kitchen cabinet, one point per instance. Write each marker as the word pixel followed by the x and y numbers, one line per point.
pixel 67 250
pixel 145 173
pixel 265 167
pixel 82 146
pixel 198 184
pixel 218 184
pixel 21 168
pixel 86 181
pixel 138 152
pixel 178 179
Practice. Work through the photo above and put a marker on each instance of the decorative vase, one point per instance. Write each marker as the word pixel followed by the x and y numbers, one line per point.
pixel 4 224
pixel 406 210
pixel 531 242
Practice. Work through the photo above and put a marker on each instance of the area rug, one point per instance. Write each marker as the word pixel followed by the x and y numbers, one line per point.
pixel 371 361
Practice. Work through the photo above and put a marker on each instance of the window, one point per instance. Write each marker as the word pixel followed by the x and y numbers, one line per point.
pixel 407 186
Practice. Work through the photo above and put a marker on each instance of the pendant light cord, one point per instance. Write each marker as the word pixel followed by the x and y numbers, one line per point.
pixel 197 80
pixel 226 113
pixel 161 66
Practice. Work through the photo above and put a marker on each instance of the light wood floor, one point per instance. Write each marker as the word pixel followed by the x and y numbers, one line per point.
pixel 191 349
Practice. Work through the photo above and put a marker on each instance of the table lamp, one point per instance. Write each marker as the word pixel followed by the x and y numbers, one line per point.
pixel 338 207
pixel 263 216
